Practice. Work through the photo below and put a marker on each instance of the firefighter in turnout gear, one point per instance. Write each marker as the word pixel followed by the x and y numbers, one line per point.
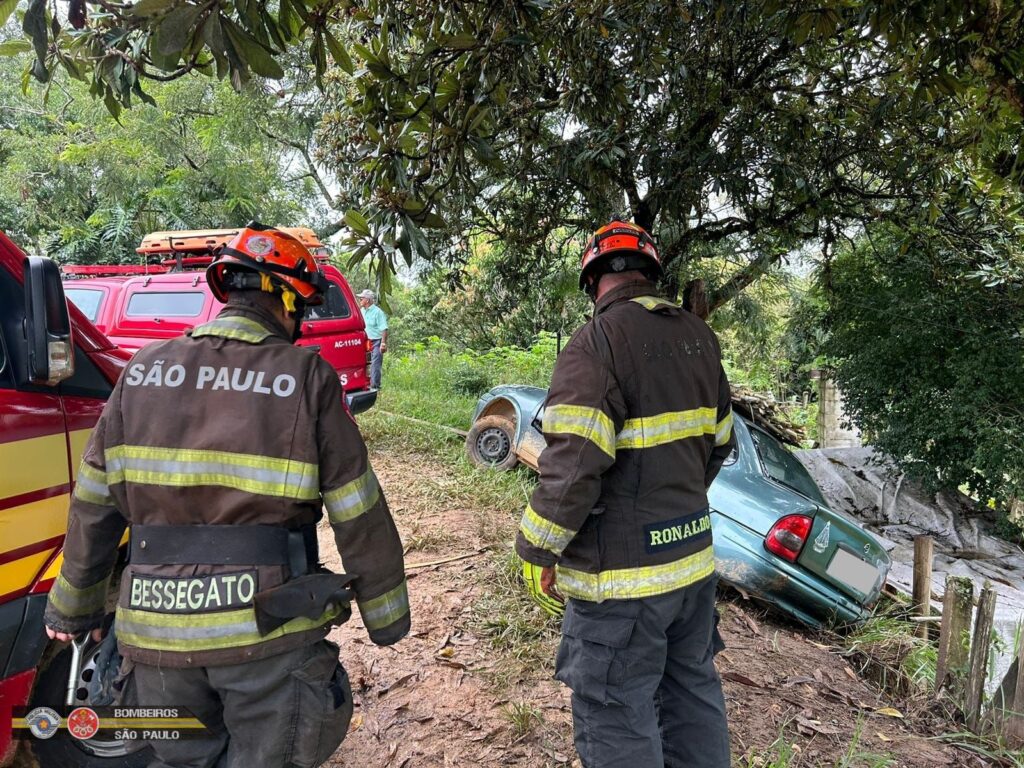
pixel 220 449
pixel 638 421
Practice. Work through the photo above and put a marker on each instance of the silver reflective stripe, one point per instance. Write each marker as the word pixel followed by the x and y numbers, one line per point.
pixel 386 609
pixel 210 468
pixel 91 486
pixel 185 633
pixel 724 429
pixel 352 499
pixel 185 467
pixel 543 533
pixel 240 328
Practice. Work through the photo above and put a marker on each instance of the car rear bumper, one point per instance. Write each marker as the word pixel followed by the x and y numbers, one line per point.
pixel 360 401
pixel 742 562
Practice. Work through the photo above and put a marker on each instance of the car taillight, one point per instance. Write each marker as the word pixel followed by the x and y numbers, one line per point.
pixel 787 536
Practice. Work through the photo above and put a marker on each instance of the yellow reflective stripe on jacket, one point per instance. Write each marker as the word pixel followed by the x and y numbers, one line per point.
pixel 185 467
pixel 234 327
pixel 723 430
pixel 73 601
pixel 653 302
pixel 385 610
pixel 91 486
pixel 204 631
pixel 650 431
pixel 632 583
pixel 589 423
pixel 352 499
pixel 543 533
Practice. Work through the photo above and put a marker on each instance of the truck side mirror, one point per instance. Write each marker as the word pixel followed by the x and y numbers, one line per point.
pixel 51 356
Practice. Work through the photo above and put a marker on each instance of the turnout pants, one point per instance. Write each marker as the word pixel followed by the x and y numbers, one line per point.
pixel 286 711
pixel 645 691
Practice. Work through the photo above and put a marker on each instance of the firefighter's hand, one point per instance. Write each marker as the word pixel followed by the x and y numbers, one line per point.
pixel 540 584
pixel 66 637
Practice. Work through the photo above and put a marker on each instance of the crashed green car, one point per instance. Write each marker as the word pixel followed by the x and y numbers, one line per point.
pixel 775 538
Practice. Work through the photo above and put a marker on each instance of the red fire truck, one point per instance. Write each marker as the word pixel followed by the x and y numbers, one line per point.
pixel 56 372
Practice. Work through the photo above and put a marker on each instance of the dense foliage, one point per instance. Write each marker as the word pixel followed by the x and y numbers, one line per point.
pixel 758 124
pixel 83 187
pixel 927 347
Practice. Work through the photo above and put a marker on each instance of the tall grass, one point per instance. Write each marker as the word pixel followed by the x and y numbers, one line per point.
pixel 435 382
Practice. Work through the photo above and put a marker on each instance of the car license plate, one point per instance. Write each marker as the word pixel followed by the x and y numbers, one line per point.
pixel 850 569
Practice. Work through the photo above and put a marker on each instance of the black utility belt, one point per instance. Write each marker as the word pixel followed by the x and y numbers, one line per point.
pixel 241 545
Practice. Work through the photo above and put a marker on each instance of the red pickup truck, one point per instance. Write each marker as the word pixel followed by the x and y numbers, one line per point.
pixel 137 304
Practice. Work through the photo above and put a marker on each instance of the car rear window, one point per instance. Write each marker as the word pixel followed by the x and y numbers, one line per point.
pixel 167 304
pixel 782 466
pixel 334 307
pixel 88 300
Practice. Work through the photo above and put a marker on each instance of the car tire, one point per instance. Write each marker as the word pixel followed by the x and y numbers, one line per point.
pixel 62 750
pixel 491 443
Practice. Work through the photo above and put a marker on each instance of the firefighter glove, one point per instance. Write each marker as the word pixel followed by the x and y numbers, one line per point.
pixel 532 578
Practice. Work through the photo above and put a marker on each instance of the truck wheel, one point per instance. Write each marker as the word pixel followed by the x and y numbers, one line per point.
pixel 491 443
pixel 63 751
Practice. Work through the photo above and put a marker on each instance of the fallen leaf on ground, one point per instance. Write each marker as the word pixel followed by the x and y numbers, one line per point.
pixel 889 712
pixel 882 737
pixel 817 726
pixel 398 683
pixel 736 677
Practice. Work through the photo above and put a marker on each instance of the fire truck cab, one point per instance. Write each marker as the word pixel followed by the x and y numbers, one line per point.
pixel 56 372
pixel 138 304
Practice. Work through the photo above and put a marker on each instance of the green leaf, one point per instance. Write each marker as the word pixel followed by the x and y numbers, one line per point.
pixel 357 222
pixel 112 105
pixel 172 34
pixel 6 9
pixel 462 42
pixel 341 57
pixel 433 221
pixel 150 7
pixel 34 25
pixel 14 47
pixel 255 55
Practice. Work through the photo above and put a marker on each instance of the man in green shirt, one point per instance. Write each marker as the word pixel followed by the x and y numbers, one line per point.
pixel 376 331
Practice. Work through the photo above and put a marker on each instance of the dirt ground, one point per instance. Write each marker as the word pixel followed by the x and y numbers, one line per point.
pixel 431 700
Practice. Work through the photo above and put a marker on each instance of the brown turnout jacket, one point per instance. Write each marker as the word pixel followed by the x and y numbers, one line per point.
pixel 230 425
pixel 638 421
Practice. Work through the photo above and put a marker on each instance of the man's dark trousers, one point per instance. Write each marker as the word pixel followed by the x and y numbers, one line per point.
pixel 376 362
pixel 646 693
pixel 285 711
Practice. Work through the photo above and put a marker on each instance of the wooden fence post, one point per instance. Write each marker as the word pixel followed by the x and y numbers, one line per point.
pixel 979 656
pixel 954 634
pixel 923 580
pixel 1014 728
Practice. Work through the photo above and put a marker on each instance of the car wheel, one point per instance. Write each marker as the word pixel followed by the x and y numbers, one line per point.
pixel 491 443
pixel 66 752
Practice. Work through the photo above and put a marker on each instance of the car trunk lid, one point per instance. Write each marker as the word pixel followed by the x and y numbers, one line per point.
pixel 845 555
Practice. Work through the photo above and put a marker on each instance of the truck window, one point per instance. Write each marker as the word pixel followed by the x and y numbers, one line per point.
pixel 334 307
pixel 88 300
pixel 167 304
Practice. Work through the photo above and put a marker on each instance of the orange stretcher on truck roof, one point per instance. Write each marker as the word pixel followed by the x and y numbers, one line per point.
pixel 205 240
